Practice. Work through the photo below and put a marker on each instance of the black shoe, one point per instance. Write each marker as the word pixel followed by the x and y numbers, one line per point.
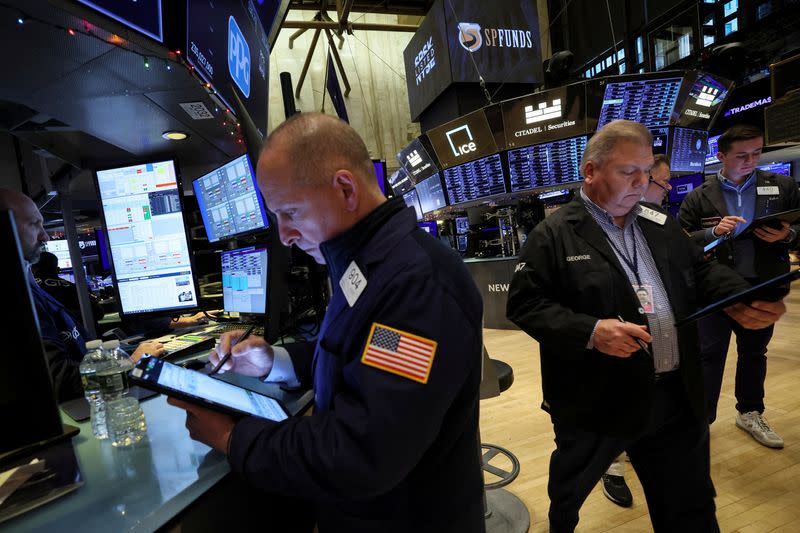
pixel 616 490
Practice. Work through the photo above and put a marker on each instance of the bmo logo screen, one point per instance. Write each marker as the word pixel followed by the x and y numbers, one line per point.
pixel 463 140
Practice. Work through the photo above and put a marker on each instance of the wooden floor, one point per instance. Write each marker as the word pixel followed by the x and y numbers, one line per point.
pixel 758 488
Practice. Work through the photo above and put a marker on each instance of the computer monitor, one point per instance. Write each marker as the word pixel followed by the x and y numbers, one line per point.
pixel 28 404
pixel 474 180
pixel 712 149
pixel 462 242
pixel 244 280
pixel 59 248
pixel 400 182
pixel 102 248
pixel 431 195
pixel 462 225
pixel 780 167
pixel 150 260
pixel 546 165
pixel 229 201
pixel 683 185
pixel 688 150
pixel 647 101
pixel 429 226
pixel 412 200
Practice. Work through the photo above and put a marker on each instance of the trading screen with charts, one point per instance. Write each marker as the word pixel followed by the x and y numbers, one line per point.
pixel 147 237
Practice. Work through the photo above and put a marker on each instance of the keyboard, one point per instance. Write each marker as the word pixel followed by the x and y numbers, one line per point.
pixel 186 344
pixel 258 331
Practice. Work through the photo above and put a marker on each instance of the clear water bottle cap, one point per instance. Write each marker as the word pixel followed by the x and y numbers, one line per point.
pixel 93 345
pixel 111 345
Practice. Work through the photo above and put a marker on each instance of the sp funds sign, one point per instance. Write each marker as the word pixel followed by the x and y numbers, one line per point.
pixel 460 41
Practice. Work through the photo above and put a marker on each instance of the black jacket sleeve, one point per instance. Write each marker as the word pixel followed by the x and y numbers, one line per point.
pixel 690 217
pixel 302 354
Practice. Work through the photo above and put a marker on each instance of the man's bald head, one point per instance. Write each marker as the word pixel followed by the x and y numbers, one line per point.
pixel 317 146
pixel 28 220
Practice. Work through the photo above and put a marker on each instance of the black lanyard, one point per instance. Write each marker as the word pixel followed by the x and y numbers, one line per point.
pixel 632 265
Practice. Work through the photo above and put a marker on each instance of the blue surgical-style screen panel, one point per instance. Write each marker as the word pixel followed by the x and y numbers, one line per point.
pixel 229 200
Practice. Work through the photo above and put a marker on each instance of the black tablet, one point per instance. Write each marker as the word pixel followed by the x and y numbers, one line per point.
pixel 195 387
pixel 774 220
pixel 770 290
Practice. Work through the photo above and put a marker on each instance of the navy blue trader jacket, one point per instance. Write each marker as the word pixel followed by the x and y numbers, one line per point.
pixel 64 341
pixel 383 452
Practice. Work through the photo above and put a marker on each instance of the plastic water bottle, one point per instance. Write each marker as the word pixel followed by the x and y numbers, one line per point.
pixel 94 361
pixel 124 416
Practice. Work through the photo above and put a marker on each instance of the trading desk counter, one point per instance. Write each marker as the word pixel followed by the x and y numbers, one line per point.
pixel 493 276
pixel 142 487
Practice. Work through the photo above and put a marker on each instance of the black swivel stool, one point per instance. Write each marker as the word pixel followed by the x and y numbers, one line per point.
pixel 503 511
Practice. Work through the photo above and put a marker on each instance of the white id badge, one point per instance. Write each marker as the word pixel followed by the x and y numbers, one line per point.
pixel 645 295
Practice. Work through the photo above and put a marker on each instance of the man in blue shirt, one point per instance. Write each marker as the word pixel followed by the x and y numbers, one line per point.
pixel 725 205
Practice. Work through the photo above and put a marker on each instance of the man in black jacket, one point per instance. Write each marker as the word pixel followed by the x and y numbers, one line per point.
pixel 726 205
pixel 392 445
pixel 614 376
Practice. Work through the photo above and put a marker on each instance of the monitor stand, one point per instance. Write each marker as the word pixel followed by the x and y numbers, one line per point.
pixel 67 432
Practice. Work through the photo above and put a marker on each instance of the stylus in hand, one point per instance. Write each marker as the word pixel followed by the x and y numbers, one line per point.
pixel 230 352
pixel 639 341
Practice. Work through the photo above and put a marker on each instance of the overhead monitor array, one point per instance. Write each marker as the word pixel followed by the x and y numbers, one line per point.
pixel 536 142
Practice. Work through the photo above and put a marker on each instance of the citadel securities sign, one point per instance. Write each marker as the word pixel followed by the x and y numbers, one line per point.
pixel 496 41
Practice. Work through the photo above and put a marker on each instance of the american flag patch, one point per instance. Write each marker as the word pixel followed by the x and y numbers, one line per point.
pixel 399 352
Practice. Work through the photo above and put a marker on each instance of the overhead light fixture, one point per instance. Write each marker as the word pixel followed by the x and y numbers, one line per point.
pixel 175 135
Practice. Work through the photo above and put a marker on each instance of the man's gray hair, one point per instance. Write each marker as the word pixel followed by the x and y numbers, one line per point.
pixel 606 139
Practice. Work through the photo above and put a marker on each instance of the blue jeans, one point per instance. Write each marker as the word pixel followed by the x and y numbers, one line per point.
pixel 751 364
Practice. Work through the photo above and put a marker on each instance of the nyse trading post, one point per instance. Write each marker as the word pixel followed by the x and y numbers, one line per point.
pixel 545 165
pixel 474 180
pixel 649 101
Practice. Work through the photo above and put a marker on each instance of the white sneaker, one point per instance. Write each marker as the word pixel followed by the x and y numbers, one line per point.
pixel 754 423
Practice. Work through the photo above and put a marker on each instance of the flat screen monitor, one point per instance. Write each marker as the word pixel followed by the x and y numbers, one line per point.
pixel 412 200
pixel 781 167
pixel 228 47
pixel 143 16
pixel 431 195
pixel 660 140
pixel 688 150
pixel 553 194
pixel 229 201
pixel 713 148
pixel 430 227
pixel 545 116
pixel 706 94
pixel 546 165
pixel 416 161
pixel 244 280
pixel 462 225
pixel 150 259
pixel 474 180
pixel 647 101
pixel 400 182
pixel 683 185
pixel 59 248
pixel 380 174
pixel 461 242
pixel 462 140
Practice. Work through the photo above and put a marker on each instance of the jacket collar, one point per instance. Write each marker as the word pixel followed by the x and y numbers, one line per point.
pixel 343 248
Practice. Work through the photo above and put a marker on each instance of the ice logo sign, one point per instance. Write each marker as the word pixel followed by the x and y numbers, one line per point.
pixel 238 57
pixel 469 36
pixel 463 143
